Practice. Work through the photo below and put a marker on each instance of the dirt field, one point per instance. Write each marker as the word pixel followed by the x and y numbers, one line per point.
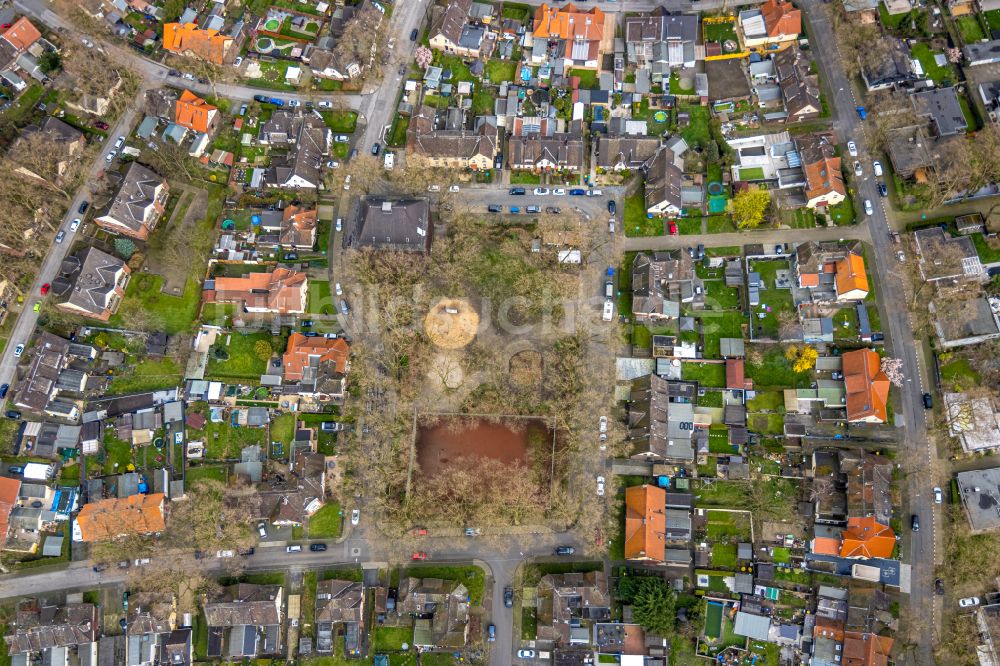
pixel 451 323
pixel 439 444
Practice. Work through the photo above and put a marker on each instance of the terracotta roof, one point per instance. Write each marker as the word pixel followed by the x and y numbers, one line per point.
pixel 112 518
pixel 825 546
pixel 22 34
pixel 735 378
pixel 304 352
pixel 193 112
pixel 823 177
pixel 867 386
pixel 569 23
pixel 781 18
pixel 867 538
pixel 826 627
pixel 187 38
pixel 9 489
pixel 866 649
pixel 851 274
pixel 645 522
pixel 278 291
pixel 809 280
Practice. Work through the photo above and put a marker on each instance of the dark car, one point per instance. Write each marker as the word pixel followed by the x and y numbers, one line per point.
pixel 376 148
pixel 202 80
pixel 555 210
pixel 101 125
pixel 565 550
pixel 83 207
pixel 508 597
pixel 611 207
pixel 306 323
pixel 915 523
pixel 174 72
pixel 516 191
pixel 263 99
pixel 928 401
pixel 291 255
pixel 883 190
pixel 100 567
pixel 939 587
pixel 577 192
pixel 12 414
pixel 354 153
pixel 199 555
pixel 495 208
pixel 15 469
pixel 3 390
pixel 413 35
pixel 317 547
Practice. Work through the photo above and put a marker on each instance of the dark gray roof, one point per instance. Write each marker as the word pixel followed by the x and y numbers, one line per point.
pixel 392 224
pixel 942 107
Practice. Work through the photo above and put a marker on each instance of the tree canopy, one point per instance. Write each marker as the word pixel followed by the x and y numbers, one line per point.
pixel 653 603
pixel 750 207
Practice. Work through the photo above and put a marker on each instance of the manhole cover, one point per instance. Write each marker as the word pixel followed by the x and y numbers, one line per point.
pixel 355 552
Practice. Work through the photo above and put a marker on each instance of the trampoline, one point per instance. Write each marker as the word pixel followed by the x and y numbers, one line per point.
pixel 228 224
pixel 265 44
pixel 713 619
pixel 660 116
pixel 715 187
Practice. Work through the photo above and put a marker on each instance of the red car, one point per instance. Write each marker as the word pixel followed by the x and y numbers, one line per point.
pixel 672 227
pixel 420 556
pixel 45 288
pixel 5 26
pixel 100 124
pixel 419 531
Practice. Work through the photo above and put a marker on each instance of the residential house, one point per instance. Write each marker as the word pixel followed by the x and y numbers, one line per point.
pixel 661 42
pixel 176 648
pixel 244 620
pixel 569 604
pixel 326 60
pixel 662 427
pixel 645 523
pixel 397 225
pixel 452 148
pixel 774 22
pixel 910 150
pixel 866 538
pixel 440 608
pixel 975 421
pixel 946 259
pixel 865 10
pixel 851 280
pixel 111 519
pixel 661 281
pixel 292 228
pixel 10 490
pixel 310 141
pixel 894 71
pixel 824 178
pixel 799 86
pixel 91 283
pixel 561 151
pixel 989 93
pixel 294 504
pixel 866 649
pixel 941 107
pixel 195 114
pixel 867 386
pixel 50 632
pixel 67 142
pixel 187 39
pixel 621 153
pixel 280 291
pixel 138 205
pixel 980 492
pixel 582 36
pixel 982 53
pixel 57 367
pixel 340 603
pixel 664 175
pixel 451 31
pixel 319 364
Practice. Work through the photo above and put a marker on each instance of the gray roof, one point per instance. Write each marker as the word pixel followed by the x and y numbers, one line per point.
pixel 135 195
pixel 980 491
pixel 942 107
pixel 752 626
pixel 983 52
pixel 392 224
pixel 88 281
pixel 53 546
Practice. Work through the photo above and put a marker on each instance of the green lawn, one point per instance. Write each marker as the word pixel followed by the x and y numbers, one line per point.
pixel 320 301
pixel 718 439
pixel 221 440
pixel 720 224
pixel 942 75
pixel 892 21
pixel 588 78
pixel 960 374
pixel 209 472
pixel 341 122
pixel 501 70
pixel 283 428
pixel 243 363
pixel 635 220
pixel 675 86
pixel 992 19
pixel 766 401
pixel 524 178
pixel 707 374
pixel 776 300
pixel 116 451
pixel 470 576
pixel 397 137
pixel 697 131
pixel 775 371
pixel 326 522
pixel 721 297
pixel 719 32
pixel 751 173
pixel 391 638
pixel 459 70
pixel 843 214
pixel 149 374
pixel 989 251
pixel 969 28
pixel 724 555
pixel 766 424
pixel 145 302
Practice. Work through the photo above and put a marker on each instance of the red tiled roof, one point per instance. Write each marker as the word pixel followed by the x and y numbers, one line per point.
pixel 22 34
pixel 866 384
pixel 193 112
pixel 735 377
pixel 304 352
pixel 867 538
pixel 645 522
pixel 9 489
pixel 781 18
pixel 111 518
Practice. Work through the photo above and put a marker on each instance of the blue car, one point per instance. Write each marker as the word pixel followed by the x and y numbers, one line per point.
pixel 515 209
pixel 577 193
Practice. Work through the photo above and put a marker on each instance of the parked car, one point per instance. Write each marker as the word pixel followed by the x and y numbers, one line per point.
pixel 968 602
pixel 413 35
pixel 915 523
pixel 293 549
pixel 541 191
pixel 173 72
pixel 347 182
pixel 602 424
pixel 340 224
pixel 225 553
pixel 333 164
pixel 110 156
pixel 553 210
pixel 595 193
pixel 18 350
pixel 508 596
pixel 516 191
pixel 12 414
pixel 101 125
pixel 325 104
pixel 3 390
pixel 877 167
pixel 938 495
pixel 533 209
pixel 83 207
pixel 900 256
pixel 262 530
pixel 611 206
pixel 15 469
pixel 376 147
pixel 60 236
pixel 939 587
pixel 338 289
pixel 344 307
pixel 565 550
pixel 491 633
pixel 120 142
pixel 453 188
pixel 37 307
pixel 672 228
pixel 852 148
pixel 418 555
pixel 342 138
pixel 495 208
pixel 576 192
pixel 355 516
pixel 238 61
pixel 45 288
pixel 317 547
pixel 600 486
pixel 869 210
pixel 75 224
pixel 100 567
pixel 433 188
pixel 857 168
pixel 525 654
pixel 559 192
pixel 883 190
pixel 188 76
pixel 928 401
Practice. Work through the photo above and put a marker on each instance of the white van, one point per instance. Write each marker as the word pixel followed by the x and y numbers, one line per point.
pixel 293 549
pixel 390 161
pixel 609 310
